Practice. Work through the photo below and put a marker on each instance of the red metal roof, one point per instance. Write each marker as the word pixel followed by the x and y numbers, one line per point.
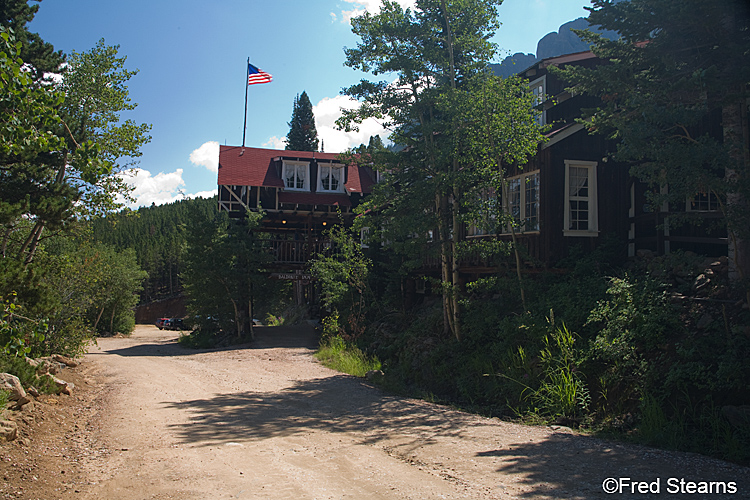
pixel 255 167
pixel 359 180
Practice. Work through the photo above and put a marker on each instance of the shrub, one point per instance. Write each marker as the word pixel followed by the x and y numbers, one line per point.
pixel 340 355
pixel 26 374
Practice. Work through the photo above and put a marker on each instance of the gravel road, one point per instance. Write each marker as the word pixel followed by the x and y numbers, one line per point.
pixel 265 420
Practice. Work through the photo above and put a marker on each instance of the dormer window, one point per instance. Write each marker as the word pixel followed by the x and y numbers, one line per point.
pixel 295 176
pixel 538 89
pixel 331 178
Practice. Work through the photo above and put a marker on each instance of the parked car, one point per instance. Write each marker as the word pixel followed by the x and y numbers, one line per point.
pixel 161 323
pixel 175 324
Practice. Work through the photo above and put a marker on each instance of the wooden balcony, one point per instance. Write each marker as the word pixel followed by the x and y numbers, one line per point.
pixel 297 252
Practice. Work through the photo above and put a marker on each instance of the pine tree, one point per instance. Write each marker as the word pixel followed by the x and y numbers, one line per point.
pixel 302 135
pixel 40 55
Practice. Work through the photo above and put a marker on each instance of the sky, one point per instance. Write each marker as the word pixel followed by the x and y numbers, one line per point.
pixel 192 54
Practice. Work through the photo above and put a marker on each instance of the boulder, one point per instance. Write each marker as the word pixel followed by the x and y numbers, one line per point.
pixel 48 365
pixel 374 375
pixel 738 416
pixel 63 387
pixel 65 360
pixel 8 430
pixel 12 384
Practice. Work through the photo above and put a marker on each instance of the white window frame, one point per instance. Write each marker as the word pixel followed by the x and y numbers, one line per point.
pixel 340 187
pixel 364 237
pixel 522 181
pixel 296 165
pixel 539 89
pixel 710 199
pixel 591 197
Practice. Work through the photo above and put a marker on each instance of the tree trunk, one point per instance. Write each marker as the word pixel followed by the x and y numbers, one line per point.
pixel 455 275
pixel 734 122
pixel 441 202
pixel 112 321
pixel 98 317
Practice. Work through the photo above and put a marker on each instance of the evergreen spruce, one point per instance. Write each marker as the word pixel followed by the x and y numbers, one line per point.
pixel 302 134
pixel 40 55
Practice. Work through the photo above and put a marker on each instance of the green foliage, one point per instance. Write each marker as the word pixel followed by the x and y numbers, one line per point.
pixel 273 320
pixel 302 136
pixel 158 236
pixel 41 55
pixel 635 320
pixel 4 398
pixel 343 277
pixel 225 271
pixel 456 125
pixel 660 96
pixel 562 391
pixel 17 333
pixel 345 357
pixel 331 326
pixel 26 374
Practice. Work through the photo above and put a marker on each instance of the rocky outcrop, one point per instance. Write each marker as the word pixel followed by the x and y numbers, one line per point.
pixel 8 430
pixel 12 384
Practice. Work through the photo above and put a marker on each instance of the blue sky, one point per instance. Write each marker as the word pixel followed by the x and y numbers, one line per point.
pixel 191 56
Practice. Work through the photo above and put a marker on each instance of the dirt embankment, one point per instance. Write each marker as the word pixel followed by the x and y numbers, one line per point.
pixel 152 420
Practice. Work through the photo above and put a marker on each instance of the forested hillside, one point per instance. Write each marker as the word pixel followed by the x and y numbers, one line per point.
pixel 157 234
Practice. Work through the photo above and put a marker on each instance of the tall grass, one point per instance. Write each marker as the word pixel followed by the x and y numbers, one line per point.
pixel 339 355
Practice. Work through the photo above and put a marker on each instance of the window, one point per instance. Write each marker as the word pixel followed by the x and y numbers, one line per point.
pixel 538 89
pixel 580 198
pixel 295 176
pixel 331 178
pixel 486 221
pixel 703 202
pixel 523 202
pixel 364 237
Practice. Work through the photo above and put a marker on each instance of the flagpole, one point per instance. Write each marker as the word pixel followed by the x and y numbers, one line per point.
pixel 247 84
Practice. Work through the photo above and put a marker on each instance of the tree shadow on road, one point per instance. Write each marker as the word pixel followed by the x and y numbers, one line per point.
pixel 559 466
pixel 266 337
pixel 575 466
pixel 337 404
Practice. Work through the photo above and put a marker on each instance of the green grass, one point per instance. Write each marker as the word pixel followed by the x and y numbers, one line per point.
pixel 339 355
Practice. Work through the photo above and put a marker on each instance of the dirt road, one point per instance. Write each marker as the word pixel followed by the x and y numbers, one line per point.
pixel 266 420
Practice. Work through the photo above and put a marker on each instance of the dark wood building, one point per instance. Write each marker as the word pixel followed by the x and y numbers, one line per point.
pixel 300 192
pixel 572 195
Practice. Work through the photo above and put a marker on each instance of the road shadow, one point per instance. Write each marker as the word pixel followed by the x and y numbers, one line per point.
pixel 266 337
pixel 559 466
pixel 336 404
pixel 581 465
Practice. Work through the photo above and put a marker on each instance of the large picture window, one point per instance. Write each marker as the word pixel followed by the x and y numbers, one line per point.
pixel 521 202
pixel 295 175
pixel 580 198
pixel 331 178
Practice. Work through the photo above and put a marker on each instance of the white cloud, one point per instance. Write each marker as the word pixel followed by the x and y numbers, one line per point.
pixel 158 189
pixel 204 194
pixel 371 6
pixel 275 143
pixel 336 141
pixel 207 156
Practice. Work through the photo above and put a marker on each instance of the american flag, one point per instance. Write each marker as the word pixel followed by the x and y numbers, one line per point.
pixel 255 75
